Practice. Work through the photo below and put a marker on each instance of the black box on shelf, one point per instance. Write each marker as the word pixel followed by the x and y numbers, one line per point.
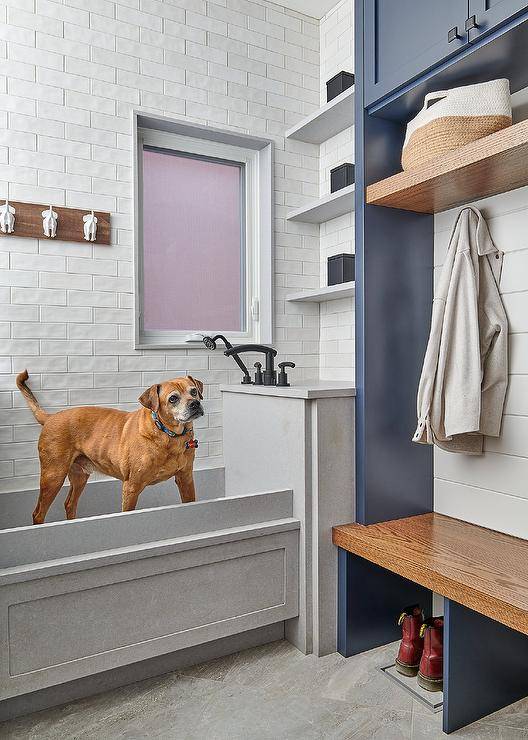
pixel 341 177
pixel 338 84
pixel 341 269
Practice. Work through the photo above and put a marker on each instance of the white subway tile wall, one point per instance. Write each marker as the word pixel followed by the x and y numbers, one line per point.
pixel 72 72
pixel 337 360
pixel 492 490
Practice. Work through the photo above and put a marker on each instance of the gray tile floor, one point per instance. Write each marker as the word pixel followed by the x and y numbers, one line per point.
pixel 271 692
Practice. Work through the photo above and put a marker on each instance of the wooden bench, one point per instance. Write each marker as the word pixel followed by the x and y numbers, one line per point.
pixel 483 577
pixel 484 570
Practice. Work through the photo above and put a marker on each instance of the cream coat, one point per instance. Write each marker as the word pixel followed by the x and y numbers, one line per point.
pixel 465 371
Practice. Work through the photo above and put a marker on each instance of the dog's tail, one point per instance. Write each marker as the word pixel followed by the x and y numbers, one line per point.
pixel 38 411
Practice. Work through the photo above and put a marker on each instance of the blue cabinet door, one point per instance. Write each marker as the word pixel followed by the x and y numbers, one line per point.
pixel 491 13
pixel 404 38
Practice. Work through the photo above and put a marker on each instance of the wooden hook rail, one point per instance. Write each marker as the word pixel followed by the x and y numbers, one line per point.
pixel 28 223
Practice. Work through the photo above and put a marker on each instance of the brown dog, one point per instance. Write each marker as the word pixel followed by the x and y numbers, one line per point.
pixel 140 448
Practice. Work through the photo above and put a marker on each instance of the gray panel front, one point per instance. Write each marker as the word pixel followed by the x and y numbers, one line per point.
pixel 82 623
pixel 126 613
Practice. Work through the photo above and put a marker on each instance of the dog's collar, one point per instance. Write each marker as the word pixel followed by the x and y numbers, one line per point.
pixel 161 426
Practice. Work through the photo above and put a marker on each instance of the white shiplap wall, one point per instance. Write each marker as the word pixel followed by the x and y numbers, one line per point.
pixel 337 236
pixel 70 74
pixel 492 490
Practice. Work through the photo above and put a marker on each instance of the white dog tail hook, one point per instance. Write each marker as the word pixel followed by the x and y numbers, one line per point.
pixel 7 218
pixel 49 222
pixel 90 226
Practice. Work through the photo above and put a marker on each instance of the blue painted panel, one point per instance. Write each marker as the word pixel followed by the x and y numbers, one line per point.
pixel 394 282
pixel 398 258
pixel 369 603
pixel 491 13
pixel 344 595
pixel 405 38
pixel 359 234
pixel 484 666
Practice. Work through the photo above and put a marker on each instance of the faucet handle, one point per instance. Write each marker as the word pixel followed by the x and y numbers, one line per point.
pixel 258 374
pixel 282 380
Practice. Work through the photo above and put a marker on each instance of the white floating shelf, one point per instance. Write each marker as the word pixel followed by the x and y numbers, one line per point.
pixel 329 293
pixel 335 116
pixel 325 209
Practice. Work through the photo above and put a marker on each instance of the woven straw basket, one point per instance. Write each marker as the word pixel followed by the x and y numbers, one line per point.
pixel 452 118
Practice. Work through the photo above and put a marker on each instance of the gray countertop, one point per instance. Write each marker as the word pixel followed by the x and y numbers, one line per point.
pixel 308 390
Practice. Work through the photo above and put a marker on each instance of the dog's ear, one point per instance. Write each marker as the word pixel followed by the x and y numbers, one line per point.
pixel 198 384
pixel 150 398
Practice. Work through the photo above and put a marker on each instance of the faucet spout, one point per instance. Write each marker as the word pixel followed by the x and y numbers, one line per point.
pixel 269 375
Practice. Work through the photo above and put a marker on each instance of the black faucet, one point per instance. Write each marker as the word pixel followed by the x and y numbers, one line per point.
pixel 269 375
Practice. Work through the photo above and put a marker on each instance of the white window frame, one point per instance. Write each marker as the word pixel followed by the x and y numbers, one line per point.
pixel 255 156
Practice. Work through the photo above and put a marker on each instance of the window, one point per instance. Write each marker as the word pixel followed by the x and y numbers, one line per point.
pixel 203 235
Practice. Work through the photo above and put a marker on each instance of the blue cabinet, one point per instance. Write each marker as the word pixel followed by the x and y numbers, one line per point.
pixel 404 38
pixel 488 14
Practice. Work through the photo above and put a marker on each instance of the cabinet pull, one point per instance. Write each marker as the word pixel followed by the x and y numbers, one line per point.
pixel 452 34
pixel 471 23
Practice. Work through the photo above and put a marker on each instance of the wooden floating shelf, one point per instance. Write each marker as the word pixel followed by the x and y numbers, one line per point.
pixel 320 295
pixel 335 116
pixel 484 570
pixel 28 223
pixel 326 208
pixel 494 164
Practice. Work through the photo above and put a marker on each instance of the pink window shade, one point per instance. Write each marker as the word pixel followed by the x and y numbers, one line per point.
pixel 192 244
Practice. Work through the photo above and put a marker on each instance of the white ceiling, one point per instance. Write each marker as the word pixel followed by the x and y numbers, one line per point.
pixel 313 8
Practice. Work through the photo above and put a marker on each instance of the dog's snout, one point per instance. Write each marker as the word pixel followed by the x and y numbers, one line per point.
pixel 195 408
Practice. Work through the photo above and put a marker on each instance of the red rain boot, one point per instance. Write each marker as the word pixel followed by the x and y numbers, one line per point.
pixel 411 646
pixel 430 675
